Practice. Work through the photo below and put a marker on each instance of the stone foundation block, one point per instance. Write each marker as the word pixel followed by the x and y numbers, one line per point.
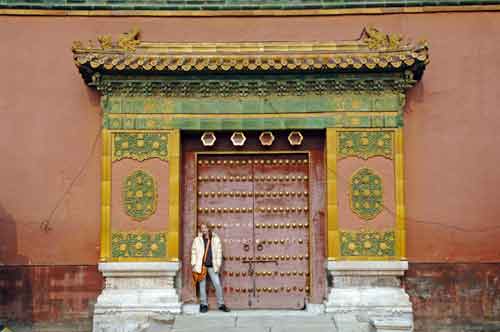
pixel 367 296
pixel 136 296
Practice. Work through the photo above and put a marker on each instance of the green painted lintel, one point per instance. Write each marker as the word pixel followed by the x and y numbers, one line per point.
pixel 347 102
pixel 272 123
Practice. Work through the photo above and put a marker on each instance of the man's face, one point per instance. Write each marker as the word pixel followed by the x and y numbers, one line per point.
pixel 204 230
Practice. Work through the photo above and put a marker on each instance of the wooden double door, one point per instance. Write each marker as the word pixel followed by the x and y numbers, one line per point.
pixel 259 205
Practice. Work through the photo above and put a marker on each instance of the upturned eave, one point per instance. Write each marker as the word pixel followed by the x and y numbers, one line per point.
pixel 373 51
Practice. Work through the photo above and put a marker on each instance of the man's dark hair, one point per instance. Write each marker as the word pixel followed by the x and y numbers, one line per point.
pixel 209 228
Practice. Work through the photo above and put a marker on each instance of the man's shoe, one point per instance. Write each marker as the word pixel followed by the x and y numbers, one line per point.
pixel 203 308
pixel 224 308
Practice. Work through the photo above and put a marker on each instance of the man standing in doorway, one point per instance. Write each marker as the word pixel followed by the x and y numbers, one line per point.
pixel 207 251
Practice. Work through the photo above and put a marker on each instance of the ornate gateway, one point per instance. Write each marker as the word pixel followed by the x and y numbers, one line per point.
pixel 291 151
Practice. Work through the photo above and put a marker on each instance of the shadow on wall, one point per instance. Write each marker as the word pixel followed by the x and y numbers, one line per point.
pixel 414 96
pixel 16 291
pixel 8 240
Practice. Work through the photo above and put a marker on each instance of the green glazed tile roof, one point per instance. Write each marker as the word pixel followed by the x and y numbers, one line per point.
pixel 228 5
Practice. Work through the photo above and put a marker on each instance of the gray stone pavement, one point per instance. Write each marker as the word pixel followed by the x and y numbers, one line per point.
pixel 254 321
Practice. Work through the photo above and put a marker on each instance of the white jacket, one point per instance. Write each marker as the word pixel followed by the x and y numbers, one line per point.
pixel 198 250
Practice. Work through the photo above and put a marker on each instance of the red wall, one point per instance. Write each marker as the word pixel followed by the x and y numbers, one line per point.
pixel 454 297
pixel 49 293
pixel 50 120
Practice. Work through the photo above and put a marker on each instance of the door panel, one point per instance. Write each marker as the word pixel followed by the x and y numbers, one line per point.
pixel 281 230
pixel 259 206
pixel 225 202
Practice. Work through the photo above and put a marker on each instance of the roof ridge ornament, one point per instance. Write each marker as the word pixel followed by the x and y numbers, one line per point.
pixel 377 39
pixel 373 51
pixel 127 41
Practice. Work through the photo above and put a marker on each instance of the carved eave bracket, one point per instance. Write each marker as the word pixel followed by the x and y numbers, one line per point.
pixel 373 52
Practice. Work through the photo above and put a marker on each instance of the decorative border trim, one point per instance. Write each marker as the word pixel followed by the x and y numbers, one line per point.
pixel 332 227
pixel 106 196
pixel 246 86
pixel 68 10
pixel 400 194
pixel 249 122
pixel 174 219
pixel 398 60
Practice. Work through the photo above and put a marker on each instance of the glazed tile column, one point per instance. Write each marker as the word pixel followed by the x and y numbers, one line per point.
pixel 366 230
pixel 139 228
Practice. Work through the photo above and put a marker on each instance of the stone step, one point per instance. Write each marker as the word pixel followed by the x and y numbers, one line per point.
pixel 251 321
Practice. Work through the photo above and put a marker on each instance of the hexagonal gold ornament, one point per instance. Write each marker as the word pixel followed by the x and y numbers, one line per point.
pixel 295 138
pixel 208 138
pixel 238 138
pixel 266 138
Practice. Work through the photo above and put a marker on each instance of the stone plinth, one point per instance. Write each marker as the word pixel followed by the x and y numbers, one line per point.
pixel 388 325
pixel 367 296
pixel 136 295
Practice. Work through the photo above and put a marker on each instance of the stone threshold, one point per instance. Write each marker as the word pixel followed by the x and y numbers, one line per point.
pixel 257 313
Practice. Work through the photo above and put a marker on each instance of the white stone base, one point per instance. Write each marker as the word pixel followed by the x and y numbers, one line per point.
pixel 136 296
pixel 190 309
pixel 367 296
pixel 388 325
pixel 316 309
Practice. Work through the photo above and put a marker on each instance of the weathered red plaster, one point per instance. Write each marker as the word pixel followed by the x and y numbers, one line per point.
pixel 50 119
pixel 48 293
pixel 454 297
